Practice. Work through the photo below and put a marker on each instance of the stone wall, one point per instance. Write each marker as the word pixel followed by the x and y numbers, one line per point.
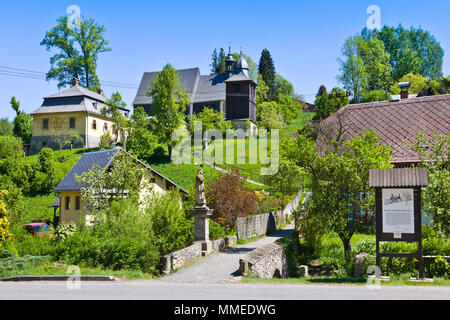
pixel 269 261
pixel 187 255
pixel 261 224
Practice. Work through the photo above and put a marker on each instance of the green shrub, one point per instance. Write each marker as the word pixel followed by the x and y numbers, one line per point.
pixel 81 249
pixel 440 268
pixel 64 231
pixel 332 256
pixel 215 230
pixel 10 147
pixel 35 245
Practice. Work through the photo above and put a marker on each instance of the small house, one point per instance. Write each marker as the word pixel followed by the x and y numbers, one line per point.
pixel 70 199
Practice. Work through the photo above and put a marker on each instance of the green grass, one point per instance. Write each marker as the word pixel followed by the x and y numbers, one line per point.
pixel 51 269
pixel 64 161
pixel 184 174
pixel 37 208
pixel 297 124
pixel 253 239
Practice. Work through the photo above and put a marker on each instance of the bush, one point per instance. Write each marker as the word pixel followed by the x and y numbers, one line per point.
pixel 28 244
pixel 332 256
pixel 172 231
pixel 64 231
pixel 10 147
pixel 106 140
pixel 215 230
pixel 230 200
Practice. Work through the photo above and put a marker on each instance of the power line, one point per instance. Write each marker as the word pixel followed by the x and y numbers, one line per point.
pixel 37 75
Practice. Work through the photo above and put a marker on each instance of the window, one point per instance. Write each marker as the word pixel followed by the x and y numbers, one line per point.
pixel 44 143
pixel 237 88
pixel 94 124
pixel 72 123
pixel 67 203
pixel 45 124
pixel 77 203
pixel 105 127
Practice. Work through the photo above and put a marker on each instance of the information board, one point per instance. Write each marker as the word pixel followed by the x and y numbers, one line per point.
pixel 398 211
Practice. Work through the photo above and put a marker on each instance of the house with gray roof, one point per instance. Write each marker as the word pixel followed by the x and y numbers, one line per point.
pixel 74 110
pixel 233 92
pixel 70 199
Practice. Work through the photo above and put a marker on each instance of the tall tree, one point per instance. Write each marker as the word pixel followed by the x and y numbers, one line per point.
pixel 218 61
pixel 169 104
pixel 353 74
pixel 376 62
pixel 399 42
pixel 341 198
pixel 141 141
pixel 77 52
pixel 267 70
pixel 22 123
pixel 328 103
pixel 15 105
pixel 112 109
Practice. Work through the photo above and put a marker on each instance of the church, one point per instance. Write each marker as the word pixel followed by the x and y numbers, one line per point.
pixel 232 92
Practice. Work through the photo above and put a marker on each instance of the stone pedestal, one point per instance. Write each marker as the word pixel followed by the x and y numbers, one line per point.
pixel 359 263
pixel 202 214
pixel 303 271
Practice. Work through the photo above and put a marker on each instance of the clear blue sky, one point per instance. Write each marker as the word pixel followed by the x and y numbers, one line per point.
pixel 304 37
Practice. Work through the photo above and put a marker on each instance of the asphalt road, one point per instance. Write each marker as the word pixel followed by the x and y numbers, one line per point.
pixel 161 290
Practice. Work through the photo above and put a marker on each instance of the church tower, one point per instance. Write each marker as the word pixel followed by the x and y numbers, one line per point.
pixel 240 93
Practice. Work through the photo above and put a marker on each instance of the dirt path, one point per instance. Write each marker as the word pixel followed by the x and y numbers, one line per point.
pixel 222 266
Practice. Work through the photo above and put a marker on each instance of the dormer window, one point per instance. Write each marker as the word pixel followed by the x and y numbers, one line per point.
pixel 95 105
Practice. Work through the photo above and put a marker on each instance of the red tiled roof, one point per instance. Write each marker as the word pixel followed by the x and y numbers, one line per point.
pixel 394 122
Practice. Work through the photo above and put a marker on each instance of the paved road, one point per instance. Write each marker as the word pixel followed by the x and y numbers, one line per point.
pixel 214 278
pixel 160 290
pixel 222 266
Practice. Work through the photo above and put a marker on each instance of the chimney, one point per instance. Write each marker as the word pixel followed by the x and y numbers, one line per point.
pixel 100 91
pixel 75 82
pixel 404 87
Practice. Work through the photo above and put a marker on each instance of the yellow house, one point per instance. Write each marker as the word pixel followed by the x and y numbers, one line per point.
pixel 75 110
pixel 70 199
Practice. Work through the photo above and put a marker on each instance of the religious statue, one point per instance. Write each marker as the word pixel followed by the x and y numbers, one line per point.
pixel 200 189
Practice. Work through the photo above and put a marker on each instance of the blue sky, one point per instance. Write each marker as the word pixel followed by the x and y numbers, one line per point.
pixel 304 37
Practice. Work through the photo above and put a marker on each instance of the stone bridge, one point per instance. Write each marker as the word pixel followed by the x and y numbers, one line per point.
pixel 268 261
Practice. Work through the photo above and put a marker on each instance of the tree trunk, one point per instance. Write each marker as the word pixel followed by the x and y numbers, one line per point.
pixel 347 248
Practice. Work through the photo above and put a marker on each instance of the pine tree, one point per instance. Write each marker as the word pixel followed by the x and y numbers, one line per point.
pixel 267 70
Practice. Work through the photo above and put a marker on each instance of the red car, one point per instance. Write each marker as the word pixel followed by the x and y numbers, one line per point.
pixel 38 228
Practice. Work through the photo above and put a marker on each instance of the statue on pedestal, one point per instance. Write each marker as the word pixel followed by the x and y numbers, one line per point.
pixel 201 214
pixel 200 190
